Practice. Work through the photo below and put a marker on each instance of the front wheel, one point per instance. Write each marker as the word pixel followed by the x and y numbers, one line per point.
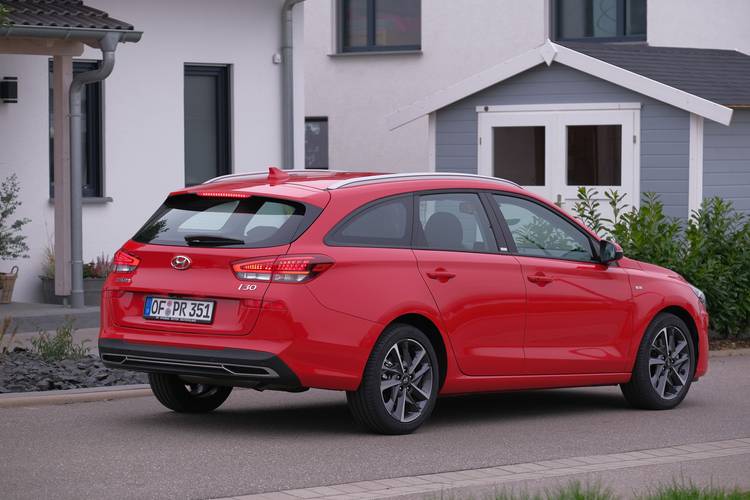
pixel 400 383
pixel 183 397
pixel 664 367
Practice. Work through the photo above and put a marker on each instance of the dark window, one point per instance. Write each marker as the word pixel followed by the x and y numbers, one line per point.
pixel 599 19
pixel 382 224
pixel 594 155
pixel 191 220
pixel 519 154
pixel 316 143
pixel 380 25
pixel 207 139
pixel 91 133
pixel 454 221
pixel 539 232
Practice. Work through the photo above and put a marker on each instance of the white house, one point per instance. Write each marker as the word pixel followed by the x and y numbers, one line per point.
pixel 199 94
pixel 636 95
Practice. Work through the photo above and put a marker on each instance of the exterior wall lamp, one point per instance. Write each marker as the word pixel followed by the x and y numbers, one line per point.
pixel 9 89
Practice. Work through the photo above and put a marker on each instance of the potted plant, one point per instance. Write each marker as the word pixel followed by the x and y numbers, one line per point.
pixel 12 241
pixel 94 274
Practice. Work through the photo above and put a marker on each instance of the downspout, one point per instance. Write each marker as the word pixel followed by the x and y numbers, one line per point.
pixel 108 44
pixel 287 83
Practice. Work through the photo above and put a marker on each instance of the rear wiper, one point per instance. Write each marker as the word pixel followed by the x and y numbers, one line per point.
pixel 211 241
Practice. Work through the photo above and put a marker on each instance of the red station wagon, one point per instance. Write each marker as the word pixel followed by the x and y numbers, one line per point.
pixel 395 288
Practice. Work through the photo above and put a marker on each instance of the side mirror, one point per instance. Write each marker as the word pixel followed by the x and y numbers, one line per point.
pixel 609 252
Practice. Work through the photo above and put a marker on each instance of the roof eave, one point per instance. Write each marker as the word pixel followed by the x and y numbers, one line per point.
pixel 547 53
pixel 86 35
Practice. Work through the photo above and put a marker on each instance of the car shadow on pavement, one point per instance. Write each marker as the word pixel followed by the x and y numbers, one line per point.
pixel 332 417
pixel 510 406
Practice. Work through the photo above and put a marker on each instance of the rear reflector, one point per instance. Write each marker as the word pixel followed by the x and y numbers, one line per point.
pixel 283 269
pixel 124 262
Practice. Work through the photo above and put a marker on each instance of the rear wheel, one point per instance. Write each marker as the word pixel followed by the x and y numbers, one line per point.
pixel 184 397
pixel 665 365
pixel 400 383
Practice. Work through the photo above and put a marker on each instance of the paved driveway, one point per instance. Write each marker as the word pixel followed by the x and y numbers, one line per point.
pixel 262 442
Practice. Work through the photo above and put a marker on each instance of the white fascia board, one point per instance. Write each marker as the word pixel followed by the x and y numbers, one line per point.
pixel 642 85
pixel 465 88
pixel 584 106
pixel 547 53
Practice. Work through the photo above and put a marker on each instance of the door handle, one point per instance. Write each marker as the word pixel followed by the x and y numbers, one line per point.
pixel 441 275
pixel 540 279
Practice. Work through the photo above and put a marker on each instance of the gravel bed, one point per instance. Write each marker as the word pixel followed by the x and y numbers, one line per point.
pixel 24 371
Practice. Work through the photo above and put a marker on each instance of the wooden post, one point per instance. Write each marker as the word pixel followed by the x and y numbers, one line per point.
pixel 62 69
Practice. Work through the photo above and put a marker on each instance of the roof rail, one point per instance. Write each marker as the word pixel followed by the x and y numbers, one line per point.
pixel 415 175
pixel 265 173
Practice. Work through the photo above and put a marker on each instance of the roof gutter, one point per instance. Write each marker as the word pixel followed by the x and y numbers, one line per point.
pixel 107 43
pixel 88 35
pixel 287 83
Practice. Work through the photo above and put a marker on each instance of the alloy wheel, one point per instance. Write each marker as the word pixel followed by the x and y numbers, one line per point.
pixel 406 380
pixel 669 362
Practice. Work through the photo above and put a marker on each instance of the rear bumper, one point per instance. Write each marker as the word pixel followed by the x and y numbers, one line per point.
pixel 229 366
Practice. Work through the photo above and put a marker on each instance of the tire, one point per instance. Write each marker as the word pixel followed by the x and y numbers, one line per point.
pixel 186 398
pixel 650 388
pixel 407 401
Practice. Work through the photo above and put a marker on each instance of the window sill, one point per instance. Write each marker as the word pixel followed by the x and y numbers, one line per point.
pixel 90 200
pixel 377 53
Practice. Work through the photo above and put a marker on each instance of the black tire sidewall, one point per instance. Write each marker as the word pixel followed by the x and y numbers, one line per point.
pixel 642 374
pixel 370 386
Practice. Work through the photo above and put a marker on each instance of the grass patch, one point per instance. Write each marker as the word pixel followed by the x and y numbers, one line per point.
pixel 578 491
pixel 692 492
pixel 60 345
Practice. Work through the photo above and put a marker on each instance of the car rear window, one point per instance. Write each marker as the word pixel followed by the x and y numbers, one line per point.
pixel 192 220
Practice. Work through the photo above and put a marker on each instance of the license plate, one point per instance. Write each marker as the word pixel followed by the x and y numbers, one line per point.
pixel 183 310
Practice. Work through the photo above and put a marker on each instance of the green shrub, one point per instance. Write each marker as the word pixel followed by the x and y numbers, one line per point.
pixel 60 345
pixel 711 249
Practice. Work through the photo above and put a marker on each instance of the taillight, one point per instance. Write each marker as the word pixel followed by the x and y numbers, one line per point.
pixel 124 262
pixel 283 269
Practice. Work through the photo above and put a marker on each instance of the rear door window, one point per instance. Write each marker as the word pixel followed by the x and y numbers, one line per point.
pixel 454 222
pixel 385 223
pixel 192 220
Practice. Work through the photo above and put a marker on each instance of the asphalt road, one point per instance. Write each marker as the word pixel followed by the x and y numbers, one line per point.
pixel 258 442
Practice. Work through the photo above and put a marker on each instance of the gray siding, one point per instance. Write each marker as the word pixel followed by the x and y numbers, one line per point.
pixel 726 160
pixel 665 130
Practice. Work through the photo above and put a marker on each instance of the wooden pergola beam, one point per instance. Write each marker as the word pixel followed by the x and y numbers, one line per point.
pixel 41 46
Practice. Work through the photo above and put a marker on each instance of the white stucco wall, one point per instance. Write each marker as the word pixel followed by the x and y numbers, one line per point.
pixel 144 150
pixel 358 92
pixel 714 24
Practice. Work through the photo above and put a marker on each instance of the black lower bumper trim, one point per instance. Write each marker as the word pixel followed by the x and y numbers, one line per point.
pixel 226 366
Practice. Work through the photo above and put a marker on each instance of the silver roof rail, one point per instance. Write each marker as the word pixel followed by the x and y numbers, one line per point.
pixel 264 173
pixel 415 175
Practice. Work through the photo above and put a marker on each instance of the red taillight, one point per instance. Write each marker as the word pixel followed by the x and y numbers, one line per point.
pixel 124 262
pixel 283 269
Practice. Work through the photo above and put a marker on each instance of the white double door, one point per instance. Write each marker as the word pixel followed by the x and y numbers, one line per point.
pixel 554 152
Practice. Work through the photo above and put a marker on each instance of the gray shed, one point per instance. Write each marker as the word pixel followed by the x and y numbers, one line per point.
pixel 628 117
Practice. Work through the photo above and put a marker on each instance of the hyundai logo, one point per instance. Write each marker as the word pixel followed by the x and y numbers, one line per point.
pixel 181 262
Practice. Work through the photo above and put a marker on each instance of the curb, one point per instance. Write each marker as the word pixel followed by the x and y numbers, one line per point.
pixel 67 396
pixel 725 353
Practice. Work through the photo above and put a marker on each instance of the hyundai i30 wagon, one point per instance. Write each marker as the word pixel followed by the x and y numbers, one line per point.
pixel 396 288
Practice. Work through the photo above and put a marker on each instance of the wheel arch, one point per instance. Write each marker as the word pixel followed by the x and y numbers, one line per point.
pixel 426 326
pixel 685 316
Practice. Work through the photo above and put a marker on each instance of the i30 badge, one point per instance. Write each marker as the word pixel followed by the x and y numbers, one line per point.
pixel 181 262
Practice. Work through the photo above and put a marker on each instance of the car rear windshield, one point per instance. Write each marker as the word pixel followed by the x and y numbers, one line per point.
pixel 192 220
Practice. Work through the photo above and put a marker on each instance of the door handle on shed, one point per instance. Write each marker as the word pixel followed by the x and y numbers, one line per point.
pixel 441 275
pixel 540 279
